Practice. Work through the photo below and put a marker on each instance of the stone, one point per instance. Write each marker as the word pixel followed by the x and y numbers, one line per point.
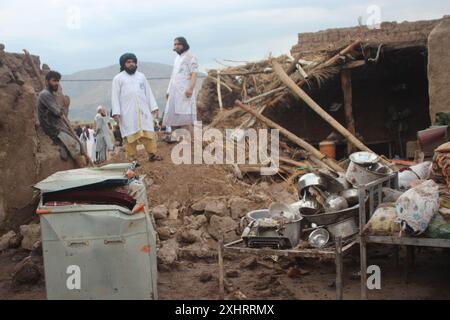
pixel 239 207
pixel 26 272
pixel 293 272
pixel 160 212
pixel 225 226
pixel 31 234
pixel 211 205
pixel 249 263
pixel 173 214
pixel 6 239
pixel 188 236
pixel 196 222
pixel 217 206
pixel 167 254
pixel 163 233
pixel 205 276
pixel 2 47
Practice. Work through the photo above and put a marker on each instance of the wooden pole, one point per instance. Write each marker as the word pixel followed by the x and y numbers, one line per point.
pixel 219 91
pixel 339 269
pixel 221 271
pixel 313 105
pixel 323 160
pixel 346 82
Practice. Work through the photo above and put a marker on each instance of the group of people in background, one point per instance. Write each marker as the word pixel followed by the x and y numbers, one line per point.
pixel 99 142
pixel 134 109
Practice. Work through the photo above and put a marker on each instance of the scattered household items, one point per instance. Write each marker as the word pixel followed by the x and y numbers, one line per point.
pixel 440 170
pixel 319 238
pixel 438 228
pixel 412 174
pixel 365 167
pixel 95 223
pixel 417 206
pixel 279 227
pixel 363 158
pixel 328 148
pixel 383 221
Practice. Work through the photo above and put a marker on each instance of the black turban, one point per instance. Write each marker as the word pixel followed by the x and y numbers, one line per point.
pixel 124 59
pixel 184 42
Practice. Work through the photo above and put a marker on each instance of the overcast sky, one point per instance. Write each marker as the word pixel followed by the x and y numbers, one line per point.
pixel 86 34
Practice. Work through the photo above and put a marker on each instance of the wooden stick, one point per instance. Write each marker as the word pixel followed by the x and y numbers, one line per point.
pixel 343 52
pixel 313 105
pixel 266 94
pixel 323 160
pixel 339 267
pixel 222 84
pixel 346 81
pixel 219 92
pixel 221 271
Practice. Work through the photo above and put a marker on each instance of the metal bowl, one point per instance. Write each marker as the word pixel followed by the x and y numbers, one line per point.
pixel 351 195
pixel 364 158
pixel 335 203
pixel 311 179
pixel 319 238
pixel 323 219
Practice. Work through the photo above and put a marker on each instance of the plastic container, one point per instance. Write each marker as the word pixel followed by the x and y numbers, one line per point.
pixel 328 148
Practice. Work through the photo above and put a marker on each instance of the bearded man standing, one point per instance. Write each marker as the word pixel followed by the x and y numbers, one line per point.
pixel 181 108
pixel 134 107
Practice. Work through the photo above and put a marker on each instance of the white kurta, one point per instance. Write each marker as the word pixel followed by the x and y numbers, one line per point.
pixel 90 143
pixel 181 110
pixel 133 99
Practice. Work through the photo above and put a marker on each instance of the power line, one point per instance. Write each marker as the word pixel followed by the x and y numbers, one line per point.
pixel 99 80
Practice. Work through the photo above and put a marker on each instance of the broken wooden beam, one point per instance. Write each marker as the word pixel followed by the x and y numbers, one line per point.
pixel 320 158
pixel 346 83
pixel 318 109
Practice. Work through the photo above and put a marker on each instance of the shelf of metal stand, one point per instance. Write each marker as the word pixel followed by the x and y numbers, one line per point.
pixel 375 189
pixel 337 253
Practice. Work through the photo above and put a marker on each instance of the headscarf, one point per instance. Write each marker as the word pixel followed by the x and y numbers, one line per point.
pixel 124 58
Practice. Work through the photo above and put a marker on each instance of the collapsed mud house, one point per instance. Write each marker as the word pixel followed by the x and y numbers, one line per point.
pixel 383 84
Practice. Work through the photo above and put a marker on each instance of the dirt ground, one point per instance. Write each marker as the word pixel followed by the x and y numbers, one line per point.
pixel 429 279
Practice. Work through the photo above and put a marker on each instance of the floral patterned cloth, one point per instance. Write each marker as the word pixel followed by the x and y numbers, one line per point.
pixel 416 207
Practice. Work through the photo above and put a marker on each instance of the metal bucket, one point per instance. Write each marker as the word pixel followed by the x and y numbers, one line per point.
pixel 359 175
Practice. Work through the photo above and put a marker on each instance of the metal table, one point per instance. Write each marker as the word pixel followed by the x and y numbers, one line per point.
pixel 337 253
pixel 375 188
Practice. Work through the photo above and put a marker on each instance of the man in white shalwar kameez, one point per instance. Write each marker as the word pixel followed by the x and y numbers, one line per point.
pixel 134 107
pixel 181 108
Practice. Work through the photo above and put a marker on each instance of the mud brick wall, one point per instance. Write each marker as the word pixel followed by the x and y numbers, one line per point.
pixel 389 32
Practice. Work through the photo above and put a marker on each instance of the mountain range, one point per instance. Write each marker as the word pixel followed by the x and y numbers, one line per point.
pixel 88 89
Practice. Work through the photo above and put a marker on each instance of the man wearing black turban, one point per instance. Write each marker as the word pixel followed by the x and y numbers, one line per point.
pixel 124 58
pixel 134 107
